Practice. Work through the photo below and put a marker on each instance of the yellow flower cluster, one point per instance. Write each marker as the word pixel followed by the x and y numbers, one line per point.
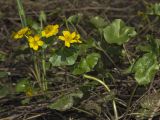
pixel 35 41
pixel 69 38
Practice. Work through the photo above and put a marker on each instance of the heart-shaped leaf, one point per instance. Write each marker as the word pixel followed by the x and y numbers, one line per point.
pixel 86 64
pixel 64 56
pixel 117 32
pixel 145 68
pixel 66 102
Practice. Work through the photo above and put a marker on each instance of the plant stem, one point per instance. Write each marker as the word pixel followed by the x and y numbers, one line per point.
pixel 45 87
pixel 107 88
pixel 37 72
pixel 21 13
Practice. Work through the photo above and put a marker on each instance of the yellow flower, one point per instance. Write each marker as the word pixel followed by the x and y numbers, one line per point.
pixel 50 30
pixel 21 33
pixel 35 42
pixel 69 38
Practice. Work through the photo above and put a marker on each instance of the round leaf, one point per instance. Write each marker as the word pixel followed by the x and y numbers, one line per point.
pixel 64 56
pixel 117 32
pixel 145 68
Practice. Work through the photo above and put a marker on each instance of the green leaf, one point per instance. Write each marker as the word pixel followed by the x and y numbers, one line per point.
pixel 145 68
pixel 74 19
pixel 83 48
pixel 64 56
pixel 98 22
pixel 42 16
pixel 66 102
pixel 33 24
pixel 86 64
pixel 22 85
pixel 62 104
pixel 117 32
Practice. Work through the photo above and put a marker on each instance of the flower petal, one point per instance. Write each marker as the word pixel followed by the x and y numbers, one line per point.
pixel 67 44
pixel 62 38
pixel 73 41
pixel 40 43
pixel 36 38
pixel 73 35
pixel 35 47
pixel 31 45
pixel 66 33
pixel 56 26
pixel 30 39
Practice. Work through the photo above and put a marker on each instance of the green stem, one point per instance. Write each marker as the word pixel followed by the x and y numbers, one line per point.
pixel 37 72
pixel 45 87
pixel 98 80
pixel 107 88
pixel 21 13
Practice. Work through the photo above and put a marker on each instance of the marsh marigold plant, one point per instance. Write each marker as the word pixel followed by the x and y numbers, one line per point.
pixel 70 38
